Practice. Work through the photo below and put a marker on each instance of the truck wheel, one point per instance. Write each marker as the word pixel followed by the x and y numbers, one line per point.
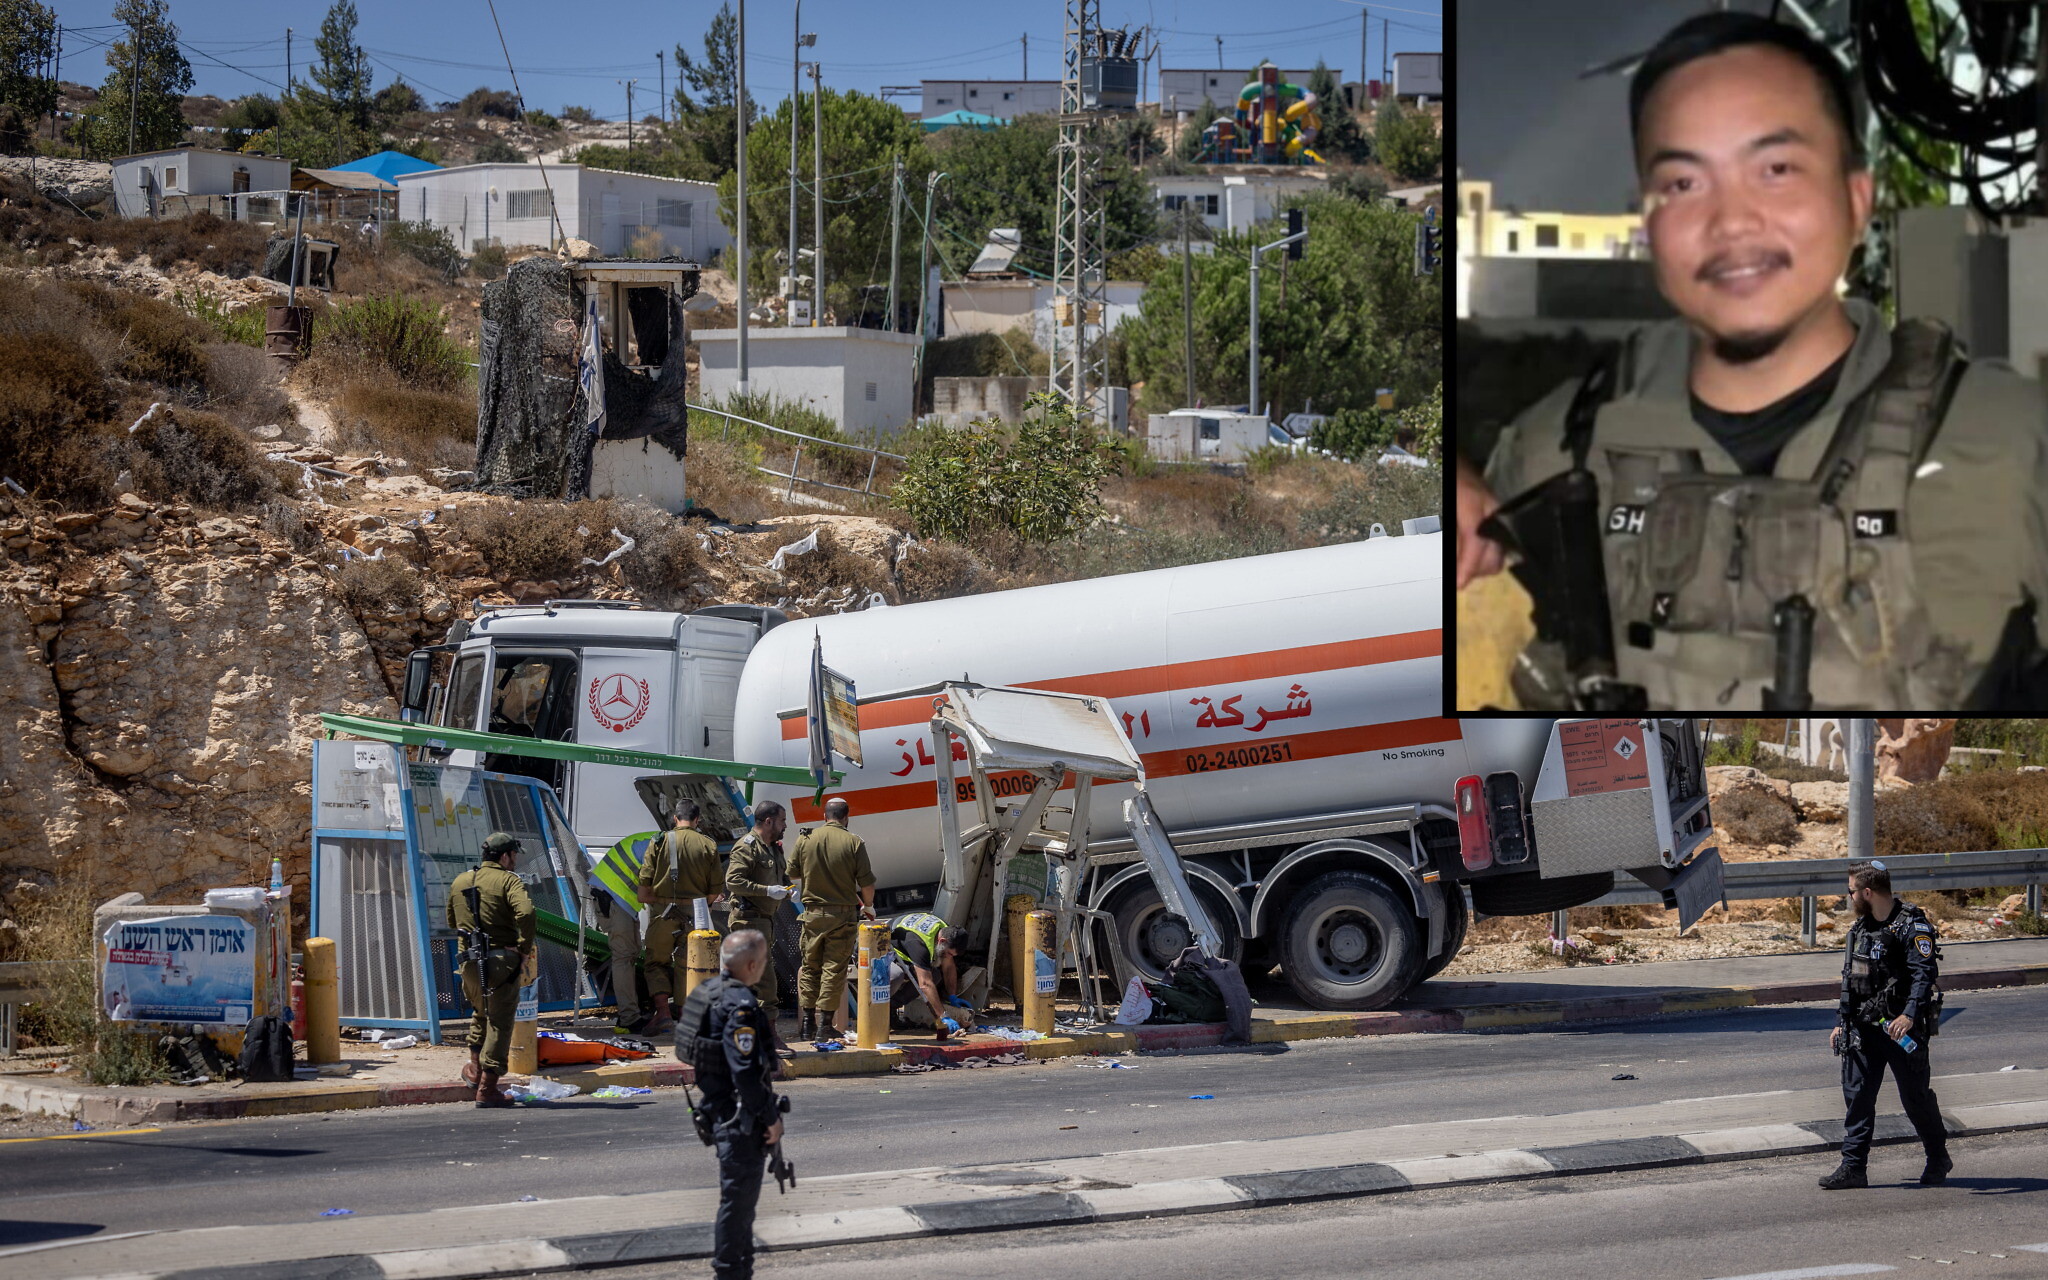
pixel 1350 943
pixel 1151 938
pixel 1529 894
pixel 1454 931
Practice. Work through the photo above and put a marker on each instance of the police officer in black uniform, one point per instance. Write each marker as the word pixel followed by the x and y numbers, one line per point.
pixel 724 1033
pixel 1889 1002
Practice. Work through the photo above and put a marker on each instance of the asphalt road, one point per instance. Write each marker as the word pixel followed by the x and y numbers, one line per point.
pixel 1755 1220
pixel 407 1159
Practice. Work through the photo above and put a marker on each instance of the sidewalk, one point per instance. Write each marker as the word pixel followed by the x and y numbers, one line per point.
pixel 1583 993
pixel 593 1231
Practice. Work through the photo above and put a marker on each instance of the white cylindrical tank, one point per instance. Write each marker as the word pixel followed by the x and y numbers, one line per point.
pixel 1267 687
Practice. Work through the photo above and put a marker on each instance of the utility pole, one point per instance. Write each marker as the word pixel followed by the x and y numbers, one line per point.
pixel 817 205
pixel 1219 53
pixel 629 112
pixel 1187 301
pixel 1288 241
pixel 1386 59
pixel 661 68
pixel 1027 55
pixel 288 90
pixel 58 78
pixel 134 77
pixel 924 284
pixel 740 194
pixel 799 41
pixel 895 235
pixel 1364 36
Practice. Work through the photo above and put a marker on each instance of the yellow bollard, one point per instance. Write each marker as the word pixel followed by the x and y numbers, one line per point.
pixel 522 1058
pixel 871 1018
pixel 1015 908
pixel 1042 981
pixel 323 1007
pixel 702 958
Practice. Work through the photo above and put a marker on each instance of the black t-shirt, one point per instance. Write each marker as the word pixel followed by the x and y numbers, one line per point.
pixel 1755 439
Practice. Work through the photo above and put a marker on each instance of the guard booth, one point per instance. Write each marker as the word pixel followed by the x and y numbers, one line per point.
pixel 581 380
pixel 389 837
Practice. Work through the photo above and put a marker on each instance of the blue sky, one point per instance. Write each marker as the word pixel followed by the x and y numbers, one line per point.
pixel 575 53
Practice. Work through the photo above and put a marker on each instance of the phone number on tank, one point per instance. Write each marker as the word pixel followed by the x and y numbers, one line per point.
pixel 1238 757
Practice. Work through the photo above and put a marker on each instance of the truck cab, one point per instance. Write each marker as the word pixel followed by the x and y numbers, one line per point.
pixel 597 673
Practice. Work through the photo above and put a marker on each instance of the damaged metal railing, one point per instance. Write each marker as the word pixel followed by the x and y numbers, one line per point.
pixel 803 442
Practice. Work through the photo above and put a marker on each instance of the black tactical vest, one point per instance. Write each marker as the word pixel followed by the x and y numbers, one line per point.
pixel 1699 564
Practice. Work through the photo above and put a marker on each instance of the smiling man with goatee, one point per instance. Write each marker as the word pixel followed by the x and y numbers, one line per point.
pixel 1797 507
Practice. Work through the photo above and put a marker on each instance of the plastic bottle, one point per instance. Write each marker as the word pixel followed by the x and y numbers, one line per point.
pixel 277 875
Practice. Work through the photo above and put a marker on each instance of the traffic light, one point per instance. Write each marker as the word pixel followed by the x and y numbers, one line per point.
pixel 1294 228
pixel 1429 244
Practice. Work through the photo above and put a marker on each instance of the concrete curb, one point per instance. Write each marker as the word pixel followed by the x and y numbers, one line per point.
pixel 688 1241
pixel 94 1107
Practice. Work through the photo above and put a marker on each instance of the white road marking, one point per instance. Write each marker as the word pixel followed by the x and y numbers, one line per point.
pixel 2032 1248
pixel 1816 1273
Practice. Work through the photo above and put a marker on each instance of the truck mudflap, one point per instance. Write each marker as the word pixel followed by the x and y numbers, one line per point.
pixel 1692 890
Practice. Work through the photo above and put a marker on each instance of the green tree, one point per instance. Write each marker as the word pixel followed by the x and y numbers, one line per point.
pixel 712 76
pixel 395 101
pixel 1407 140
pixel 862 136
pixel 249 119
pixel 147 85
pixel 1008 177
pixel 1041 481
pixel 28 42
pixel 1189 147
pixel 330 121
pixel 1341 138
pixel 1347 319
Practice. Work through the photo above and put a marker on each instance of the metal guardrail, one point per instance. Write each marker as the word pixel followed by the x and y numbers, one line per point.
pixel 875 456
pixel 1812 879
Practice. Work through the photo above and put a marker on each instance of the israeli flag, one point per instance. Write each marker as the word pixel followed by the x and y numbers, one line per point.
pixel 590 367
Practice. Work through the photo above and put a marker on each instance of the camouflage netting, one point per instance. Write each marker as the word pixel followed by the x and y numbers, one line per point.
pixel 530 440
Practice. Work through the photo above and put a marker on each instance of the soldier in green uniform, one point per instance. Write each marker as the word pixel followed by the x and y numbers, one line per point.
pixel 680 867
pixel 1792 503
pixel 757 877
pixel 490 910
pixel 831 869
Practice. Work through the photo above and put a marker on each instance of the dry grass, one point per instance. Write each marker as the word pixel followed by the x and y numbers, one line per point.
pixel 244 386
pixel 378 586
pixel 55 927
pixel 1991 809
pixel 833 567
pixel 666 557
pixel 530 541
pixel 55 406
pixel 720 480
pixel 425 427
pixel 941 570
pixel 197 456
pixel 1755 817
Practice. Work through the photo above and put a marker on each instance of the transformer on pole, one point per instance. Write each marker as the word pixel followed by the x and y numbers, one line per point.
pixel 1099 79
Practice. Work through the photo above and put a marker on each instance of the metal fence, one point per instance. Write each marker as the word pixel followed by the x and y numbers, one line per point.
pixel 803 442
pixel 1812 879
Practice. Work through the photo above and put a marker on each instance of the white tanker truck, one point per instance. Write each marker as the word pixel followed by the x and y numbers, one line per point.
pixel 1287 709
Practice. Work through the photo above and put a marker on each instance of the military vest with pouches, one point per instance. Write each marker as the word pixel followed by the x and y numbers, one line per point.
pixel 699 1050
pixel 1875 979
pixel 1698 563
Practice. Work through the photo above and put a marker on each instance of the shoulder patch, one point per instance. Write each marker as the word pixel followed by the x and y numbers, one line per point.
pixel 1926 946
pixel 1923 927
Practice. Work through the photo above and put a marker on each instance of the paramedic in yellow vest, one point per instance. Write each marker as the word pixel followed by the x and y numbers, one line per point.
pixel 837 888
pixel 1913 542
pixel 680 867
pixel 924 964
